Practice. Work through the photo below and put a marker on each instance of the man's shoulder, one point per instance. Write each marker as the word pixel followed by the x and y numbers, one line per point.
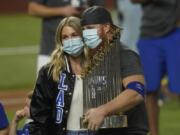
pixel 130 62
pixel 125 51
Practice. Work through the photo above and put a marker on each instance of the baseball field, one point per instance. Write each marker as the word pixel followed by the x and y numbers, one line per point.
pixel 19 39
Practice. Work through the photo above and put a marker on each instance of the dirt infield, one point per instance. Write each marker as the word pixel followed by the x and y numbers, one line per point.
pixel 13 99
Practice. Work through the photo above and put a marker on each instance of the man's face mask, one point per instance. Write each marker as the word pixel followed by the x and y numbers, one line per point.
pixel 73 46
pixel 91 38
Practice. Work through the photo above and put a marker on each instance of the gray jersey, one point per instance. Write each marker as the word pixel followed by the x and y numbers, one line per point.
pixel 137 117
pixel 159 18
pixel 130 62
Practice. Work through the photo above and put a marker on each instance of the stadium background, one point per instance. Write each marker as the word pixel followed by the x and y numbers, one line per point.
pixel 19 39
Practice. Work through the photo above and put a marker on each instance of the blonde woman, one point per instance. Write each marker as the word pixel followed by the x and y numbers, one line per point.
pixel 56 104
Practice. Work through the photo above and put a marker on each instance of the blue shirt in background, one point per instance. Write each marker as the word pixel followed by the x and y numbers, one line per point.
pixel 3 118
pixel 24 130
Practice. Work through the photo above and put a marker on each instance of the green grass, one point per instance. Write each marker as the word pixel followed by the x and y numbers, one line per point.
pixel 18 71
pixel 170 119
pixel 20 30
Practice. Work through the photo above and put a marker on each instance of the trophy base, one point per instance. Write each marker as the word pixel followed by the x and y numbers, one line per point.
pixel 113 121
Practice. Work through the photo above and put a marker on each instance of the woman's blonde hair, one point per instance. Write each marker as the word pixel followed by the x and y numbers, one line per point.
pixel 57 63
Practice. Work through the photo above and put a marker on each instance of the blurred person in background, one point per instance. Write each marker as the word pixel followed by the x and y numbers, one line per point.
pixel 159 47
pixel 51 12
pixel 19 116
pixel 129 16
pixel 4 124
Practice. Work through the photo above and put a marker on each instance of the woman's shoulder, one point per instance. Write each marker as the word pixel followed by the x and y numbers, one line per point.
pixel 45 68
pixel 45 71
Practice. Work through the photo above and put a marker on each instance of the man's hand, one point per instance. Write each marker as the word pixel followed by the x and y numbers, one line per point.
pixel 41 10
pixel 69 11
pixel 94 117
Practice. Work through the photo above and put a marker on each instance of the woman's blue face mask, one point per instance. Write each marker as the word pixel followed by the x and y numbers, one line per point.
pixel 91 38
pixel 73 46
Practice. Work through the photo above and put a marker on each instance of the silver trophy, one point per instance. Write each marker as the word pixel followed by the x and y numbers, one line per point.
pixel 103 84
